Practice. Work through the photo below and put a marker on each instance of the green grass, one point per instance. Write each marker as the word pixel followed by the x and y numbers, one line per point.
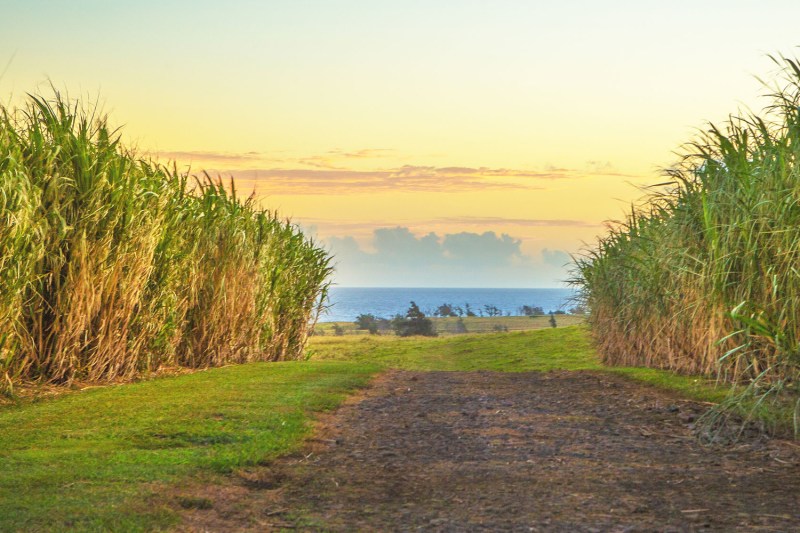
pixel 473 324
pixel 542 350
pixel 115 458
pixel 568 348
pixel 693 387
pixel 91 460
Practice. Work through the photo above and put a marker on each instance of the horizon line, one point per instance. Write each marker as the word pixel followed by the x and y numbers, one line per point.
pixel 438 287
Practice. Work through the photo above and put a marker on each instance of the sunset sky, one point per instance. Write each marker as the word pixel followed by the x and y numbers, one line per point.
pixel 435 143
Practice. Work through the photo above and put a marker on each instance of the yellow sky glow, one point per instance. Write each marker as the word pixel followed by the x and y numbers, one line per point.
pixel 536 120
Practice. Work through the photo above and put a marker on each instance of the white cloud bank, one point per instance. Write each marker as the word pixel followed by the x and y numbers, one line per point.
pixel 402 259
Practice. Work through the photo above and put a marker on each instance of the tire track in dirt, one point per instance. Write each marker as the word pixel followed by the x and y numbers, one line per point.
pixel 485 451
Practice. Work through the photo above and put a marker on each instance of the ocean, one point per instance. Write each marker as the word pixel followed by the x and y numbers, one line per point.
pixel 346 303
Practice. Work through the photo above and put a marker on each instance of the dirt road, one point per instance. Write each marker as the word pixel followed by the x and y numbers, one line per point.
pixel 561 451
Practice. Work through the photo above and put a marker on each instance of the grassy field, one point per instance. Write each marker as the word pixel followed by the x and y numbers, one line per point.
pixel 449 325
pixel 92 460
pixel 546 349
pixel 116 457
pixel 540 350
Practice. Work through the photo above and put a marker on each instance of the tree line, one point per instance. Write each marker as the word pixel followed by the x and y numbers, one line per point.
pixel 415 322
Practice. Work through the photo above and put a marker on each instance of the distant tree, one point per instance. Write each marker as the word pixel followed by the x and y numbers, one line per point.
pixel 468 310
pixel 445 310
pixel 578 310
pixel 338 330
pixel 492 310
pixel 531 310
pixel 368 322
pixel 559 312
pixel 553 320
pixel 413 323
pixel 459 310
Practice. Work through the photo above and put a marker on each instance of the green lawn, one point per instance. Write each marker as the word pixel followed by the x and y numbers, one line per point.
pixel 472 324
pixel 90 460
pixel 93 460
pixel 546 349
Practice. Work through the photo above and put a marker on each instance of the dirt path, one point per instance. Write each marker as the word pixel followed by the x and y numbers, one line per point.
pixel 561 451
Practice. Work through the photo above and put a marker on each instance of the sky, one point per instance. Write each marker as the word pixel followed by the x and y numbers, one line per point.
pixel 425 143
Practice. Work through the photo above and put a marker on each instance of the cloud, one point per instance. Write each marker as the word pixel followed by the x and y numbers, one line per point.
pixel 366 153
pixel 412 178
pixel 218 160
pixel 360 227
pixel 556 258
pixel 214 158
pixel 345 246
pixel 526 222
pixel 342 172
pixel 319 161
pixel 465 259
pixel 486 249
pixel 399 242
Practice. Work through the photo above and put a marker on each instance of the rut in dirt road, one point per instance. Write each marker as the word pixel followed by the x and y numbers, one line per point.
pixel 561 451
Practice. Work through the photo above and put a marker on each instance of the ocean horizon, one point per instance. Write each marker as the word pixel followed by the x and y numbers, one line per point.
pixel 346 303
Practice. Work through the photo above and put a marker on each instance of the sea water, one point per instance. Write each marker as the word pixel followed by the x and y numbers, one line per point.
pixel 346 303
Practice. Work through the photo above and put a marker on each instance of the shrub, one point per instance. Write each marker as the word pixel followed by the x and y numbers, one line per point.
pixel 368 322
pixel 531 310
pixel 446 310
pixel 413 323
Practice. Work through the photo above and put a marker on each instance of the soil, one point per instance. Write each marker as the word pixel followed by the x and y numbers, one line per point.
pixel 483 451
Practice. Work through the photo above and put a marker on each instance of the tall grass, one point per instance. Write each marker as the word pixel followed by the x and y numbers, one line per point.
pixel 704 277
pixel 112 265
